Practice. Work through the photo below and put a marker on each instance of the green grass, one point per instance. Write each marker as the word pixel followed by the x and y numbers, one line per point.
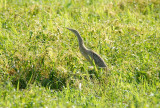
pixel 41 65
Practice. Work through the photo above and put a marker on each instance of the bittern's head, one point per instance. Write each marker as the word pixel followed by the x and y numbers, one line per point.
pixel 74 31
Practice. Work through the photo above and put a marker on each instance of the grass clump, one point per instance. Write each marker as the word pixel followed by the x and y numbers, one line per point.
pixel 41 66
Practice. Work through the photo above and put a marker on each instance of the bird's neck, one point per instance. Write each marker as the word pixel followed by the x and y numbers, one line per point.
pixel 82 47
pixel 80 41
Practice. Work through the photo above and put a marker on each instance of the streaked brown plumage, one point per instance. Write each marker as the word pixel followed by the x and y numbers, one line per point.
pixel 91 56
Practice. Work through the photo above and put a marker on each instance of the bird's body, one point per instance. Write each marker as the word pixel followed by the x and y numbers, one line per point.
pixel 91 56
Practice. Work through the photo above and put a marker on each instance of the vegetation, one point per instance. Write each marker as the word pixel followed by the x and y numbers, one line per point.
pixel 41 65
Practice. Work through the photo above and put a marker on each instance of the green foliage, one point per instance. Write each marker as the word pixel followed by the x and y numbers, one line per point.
pixel 41 66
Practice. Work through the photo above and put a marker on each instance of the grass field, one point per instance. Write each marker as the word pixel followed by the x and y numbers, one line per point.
pixel 41 65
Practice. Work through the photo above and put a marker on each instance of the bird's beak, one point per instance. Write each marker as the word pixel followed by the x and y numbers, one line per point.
pixel 68 28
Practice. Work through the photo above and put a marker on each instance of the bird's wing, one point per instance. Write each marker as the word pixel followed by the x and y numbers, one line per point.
pixel 97 59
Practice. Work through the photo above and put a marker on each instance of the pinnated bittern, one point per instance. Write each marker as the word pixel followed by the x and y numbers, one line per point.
pixel 91 56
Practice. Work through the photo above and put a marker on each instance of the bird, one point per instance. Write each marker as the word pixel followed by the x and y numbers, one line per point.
pixel 90 55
